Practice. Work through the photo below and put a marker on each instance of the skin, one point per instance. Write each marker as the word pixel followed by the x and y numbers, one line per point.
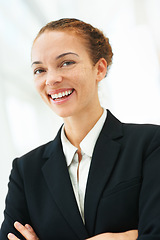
pixel 60 62
pixel 72 71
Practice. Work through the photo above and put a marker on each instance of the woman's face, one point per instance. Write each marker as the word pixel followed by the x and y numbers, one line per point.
pixel 64 74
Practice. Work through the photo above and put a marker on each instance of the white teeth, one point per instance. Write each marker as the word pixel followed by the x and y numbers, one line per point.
pixel 59 95
pixel 62 94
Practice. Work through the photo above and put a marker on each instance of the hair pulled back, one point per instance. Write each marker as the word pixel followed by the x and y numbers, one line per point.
pixel 98 45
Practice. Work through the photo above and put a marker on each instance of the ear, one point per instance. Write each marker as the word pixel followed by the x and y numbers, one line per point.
pixel 101 66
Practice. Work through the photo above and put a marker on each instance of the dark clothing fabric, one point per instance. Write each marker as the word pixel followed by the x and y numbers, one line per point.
pixel 122 193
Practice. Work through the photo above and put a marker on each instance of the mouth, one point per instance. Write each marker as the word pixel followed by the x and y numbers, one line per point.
pixel 61 95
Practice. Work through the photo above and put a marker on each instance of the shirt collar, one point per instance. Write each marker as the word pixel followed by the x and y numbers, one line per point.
pixel 87 144
pixel 68 149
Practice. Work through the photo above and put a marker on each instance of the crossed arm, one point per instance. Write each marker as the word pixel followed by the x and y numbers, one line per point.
pixel 149 207
pixel 29 234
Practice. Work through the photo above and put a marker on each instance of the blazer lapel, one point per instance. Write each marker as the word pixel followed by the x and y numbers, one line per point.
pixel 103 161
pixel 57 177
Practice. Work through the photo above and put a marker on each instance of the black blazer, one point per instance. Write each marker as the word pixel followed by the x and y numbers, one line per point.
pixel 122 193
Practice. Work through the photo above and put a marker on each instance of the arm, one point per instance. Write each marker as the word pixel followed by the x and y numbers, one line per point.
pixel 16 206
pixel 129 235
pixel 149 203
pixel 29 234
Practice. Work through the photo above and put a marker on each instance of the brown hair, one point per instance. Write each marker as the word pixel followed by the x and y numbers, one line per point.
pixel 97 44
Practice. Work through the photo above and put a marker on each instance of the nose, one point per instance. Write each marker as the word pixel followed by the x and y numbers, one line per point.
pixel 53 78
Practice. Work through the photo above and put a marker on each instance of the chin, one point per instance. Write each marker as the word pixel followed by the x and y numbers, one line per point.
pixel 63 113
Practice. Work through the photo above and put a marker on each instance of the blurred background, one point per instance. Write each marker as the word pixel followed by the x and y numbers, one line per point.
pixel 131 90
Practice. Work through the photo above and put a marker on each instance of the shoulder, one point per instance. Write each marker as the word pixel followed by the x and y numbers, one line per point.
pixel 134 128
pixel 137 136
pixel 146 136
pixel 131 132
pixel 37 157
pixel 141 130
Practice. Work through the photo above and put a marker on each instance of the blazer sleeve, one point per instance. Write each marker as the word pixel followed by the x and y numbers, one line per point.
pixel 149 203
pixel 16 206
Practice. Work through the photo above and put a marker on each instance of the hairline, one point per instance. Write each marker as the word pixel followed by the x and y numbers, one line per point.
pixel 75 31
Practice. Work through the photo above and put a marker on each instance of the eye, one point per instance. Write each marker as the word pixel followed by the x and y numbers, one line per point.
pixel 38 71
pixel 67 63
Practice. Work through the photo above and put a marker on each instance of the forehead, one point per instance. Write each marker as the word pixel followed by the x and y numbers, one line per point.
pixel 57 42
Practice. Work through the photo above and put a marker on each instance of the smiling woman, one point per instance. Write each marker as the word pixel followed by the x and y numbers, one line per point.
pixel 66 69
pixel 96 179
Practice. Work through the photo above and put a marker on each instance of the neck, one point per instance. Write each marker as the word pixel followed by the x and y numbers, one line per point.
pixel 77 127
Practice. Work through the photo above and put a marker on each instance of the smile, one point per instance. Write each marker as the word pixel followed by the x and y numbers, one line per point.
pixel 61 95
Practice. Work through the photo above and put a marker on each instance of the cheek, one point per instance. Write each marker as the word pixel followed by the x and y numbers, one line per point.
pixel 80 77
pixel 39 85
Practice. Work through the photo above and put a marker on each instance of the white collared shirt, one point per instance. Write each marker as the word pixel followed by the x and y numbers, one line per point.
pixel 87 147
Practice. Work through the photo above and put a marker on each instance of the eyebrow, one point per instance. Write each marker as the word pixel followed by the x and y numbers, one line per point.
pixel 60 56
pixel 67 53
pixel 36 62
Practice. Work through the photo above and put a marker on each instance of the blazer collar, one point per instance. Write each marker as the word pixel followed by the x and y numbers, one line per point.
pixel 57 177
pixel 103 161
pixel 58 180
pixel 112 129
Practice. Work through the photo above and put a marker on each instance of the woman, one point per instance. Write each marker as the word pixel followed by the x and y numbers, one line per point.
pixel 99 178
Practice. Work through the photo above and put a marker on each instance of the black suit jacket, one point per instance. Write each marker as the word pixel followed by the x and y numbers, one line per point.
pixel 122 193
